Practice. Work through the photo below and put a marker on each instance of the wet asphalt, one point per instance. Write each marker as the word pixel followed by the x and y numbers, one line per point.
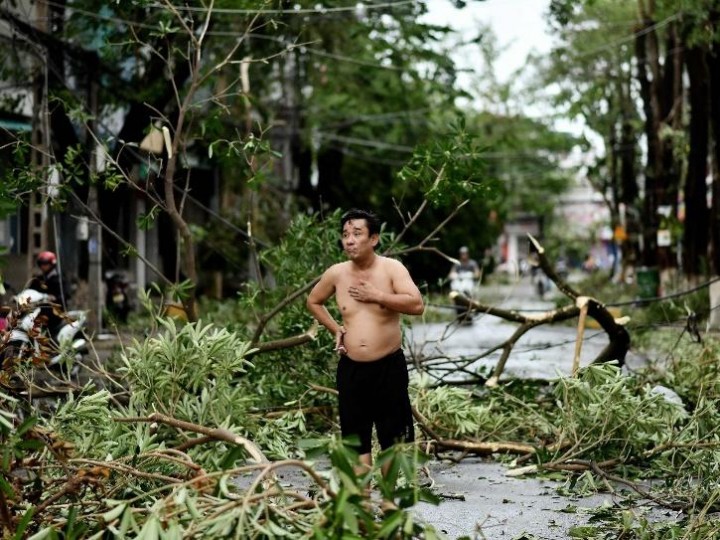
pixel 478 499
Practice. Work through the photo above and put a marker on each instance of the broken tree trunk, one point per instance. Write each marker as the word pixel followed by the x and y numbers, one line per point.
pixel 619 338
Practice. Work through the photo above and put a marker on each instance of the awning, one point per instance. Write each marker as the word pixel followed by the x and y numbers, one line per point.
pixel 15 125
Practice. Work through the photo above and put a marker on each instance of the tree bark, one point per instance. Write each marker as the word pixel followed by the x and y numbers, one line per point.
pixel 714 90
pixel 651 110
pixel 661 92
pixel 696 230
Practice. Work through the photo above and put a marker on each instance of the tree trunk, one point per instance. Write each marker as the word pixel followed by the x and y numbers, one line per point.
pixel 651 110
pixel 714 90
pixel 660 90
pixel 696 233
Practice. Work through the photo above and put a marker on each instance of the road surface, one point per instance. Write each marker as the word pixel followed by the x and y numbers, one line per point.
pixel 484 503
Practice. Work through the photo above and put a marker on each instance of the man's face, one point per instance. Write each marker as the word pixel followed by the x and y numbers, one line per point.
pixel 356 239
pixel 464 256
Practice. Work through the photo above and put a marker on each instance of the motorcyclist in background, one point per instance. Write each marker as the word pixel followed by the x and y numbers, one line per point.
pixel 463 276
pixel 50 282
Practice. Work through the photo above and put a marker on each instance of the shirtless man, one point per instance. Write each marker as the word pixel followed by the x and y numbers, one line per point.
pixel 371 292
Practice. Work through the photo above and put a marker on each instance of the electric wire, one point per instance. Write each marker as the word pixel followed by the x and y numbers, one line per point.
pixel 319 52
pixel 216 33
pixel 642 301
pixel 630 37
pixel 298 11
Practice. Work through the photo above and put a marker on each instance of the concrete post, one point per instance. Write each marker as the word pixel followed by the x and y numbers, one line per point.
pixel 714 320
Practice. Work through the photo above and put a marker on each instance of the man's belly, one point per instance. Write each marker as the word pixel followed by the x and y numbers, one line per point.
pixel 370 339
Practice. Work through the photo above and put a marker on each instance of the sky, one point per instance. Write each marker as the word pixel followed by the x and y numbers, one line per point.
pixel 519 26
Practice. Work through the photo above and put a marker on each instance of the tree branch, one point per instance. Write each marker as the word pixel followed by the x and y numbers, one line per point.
pixel 471 447
pixel 286 343
pixel 216 433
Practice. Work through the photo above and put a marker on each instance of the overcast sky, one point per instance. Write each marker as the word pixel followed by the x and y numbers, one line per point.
pixel 518 24
pixel 520 27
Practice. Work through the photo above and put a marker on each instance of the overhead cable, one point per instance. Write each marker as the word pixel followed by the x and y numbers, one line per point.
pixel 360 6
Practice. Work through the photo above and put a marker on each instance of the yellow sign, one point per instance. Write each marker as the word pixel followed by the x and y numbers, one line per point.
pixel 620 234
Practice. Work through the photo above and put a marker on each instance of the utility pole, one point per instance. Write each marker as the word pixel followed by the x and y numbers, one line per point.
pixel 95 281
pixel 38 210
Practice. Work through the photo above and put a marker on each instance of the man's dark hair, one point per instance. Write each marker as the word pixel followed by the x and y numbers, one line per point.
pixel 373 222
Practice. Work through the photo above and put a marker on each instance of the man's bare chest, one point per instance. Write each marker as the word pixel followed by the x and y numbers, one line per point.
pixel 376 280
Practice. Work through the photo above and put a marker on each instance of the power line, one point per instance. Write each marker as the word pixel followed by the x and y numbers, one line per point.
pixel 366 142
pixel 218 216
pixel 358 7
pixel 232 11
pixel 367 158
pixel 382 118
pixel 349 59
pixel 631 37
pixel 654 299
pixel 220 33
pixel 409 149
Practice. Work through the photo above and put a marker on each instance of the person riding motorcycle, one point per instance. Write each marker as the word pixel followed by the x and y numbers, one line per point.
pixel 50 282
pixel 463 276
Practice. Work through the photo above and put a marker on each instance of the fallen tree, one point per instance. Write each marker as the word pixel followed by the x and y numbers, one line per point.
pixel 619 338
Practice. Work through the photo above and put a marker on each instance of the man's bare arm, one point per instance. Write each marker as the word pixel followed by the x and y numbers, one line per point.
pixel 320 294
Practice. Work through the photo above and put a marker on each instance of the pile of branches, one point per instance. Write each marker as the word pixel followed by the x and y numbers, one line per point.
pixel 187 437
pixel 605 430
pixel 187 455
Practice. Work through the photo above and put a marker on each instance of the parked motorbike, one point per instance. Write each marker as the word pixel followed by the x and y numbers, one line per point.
pixel 463 283
pixel 6 290
pixel 30 337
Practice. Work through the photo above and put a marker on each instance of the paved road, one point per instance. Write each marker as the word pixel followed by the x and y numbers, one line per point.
pixel 542 353
pixel 496 506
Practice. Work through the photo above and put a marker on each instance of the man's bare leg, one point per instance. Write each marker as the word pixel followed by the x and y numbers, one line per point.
pixel 387 505
pixel 365 466
pixel 365 462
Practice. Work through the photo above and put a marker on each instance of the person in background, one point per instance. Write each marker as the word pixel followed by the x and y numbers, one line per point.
pixel 463 276
pixel 465 264
pixel 49 280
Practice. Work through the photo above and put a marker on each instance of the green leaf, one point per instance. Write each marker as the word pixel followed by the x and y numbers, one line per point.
pixel 48 532
pixel 26 425
pixel 391 523
pixel 583 531
pixel 114 513
pixel 30 444
pixel 6 488
pixel 151 529
pixel 22 525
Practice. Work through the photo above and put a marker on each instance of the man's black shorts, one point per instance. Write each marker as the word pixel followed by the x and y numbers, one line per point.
pixel 375 393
